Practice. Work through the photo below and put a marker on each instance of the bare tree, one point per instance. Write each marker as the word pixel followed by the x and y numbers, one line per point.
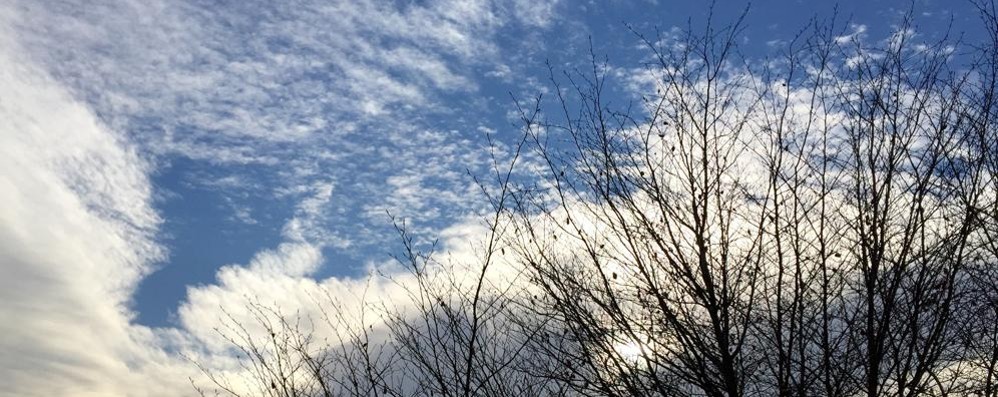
pixel 805 227
pixel 818 223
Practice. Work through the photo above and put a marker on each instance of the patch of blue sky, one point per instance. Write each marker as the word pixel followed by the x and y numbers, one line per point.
pixel 203 230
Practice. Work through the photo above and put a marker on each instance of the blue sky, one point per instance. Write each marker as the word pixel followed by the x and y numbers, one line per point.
pixel 182 142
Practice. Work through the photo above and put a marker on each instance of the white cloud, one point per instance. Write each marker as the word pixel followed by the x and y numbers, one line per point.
pixel 858 34
pixel 76 235
pixel 539 13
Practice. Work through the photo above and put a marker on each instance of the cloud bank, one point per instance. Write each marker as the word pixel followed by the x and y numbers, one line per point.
pixel 76 235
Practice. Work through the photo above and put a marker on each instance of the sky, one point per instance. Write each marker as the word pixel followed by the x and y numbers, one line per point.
pixel 162 158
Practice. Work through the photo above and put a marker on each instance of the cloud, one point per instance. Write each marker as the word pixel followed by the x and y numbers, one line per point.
pixel 288 92
pixel 858 33
pixel 76 235
pixel 539 13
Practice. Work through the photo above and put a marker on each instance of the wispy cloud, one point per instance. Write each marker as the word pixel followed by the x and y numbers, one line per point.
pixel 291 91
